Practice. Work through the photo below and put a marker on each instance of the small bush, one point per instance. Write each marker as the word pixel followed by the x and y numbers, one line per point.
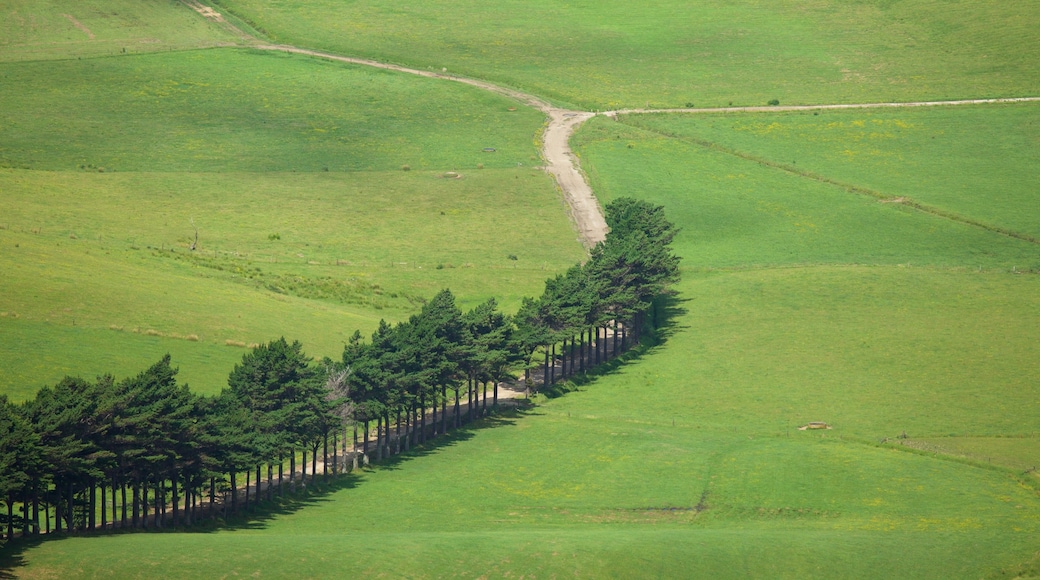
pixel 406 168
pixel 774 102
pixel 274 237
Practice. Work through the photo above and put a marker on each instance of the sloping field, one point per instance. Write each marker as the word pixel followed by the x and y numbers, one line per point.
pixel 688 462
pixel 809 293
pixel 977 162
pixel 294 172
pixel 32 30
pixel 612 54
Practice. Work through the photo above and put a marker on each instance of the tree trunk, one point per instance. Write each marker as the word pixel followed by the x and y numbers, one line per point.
pixel 314 464
pixel 281 489
pixel 552 365
pixel 115 514
pixel 212 494
pixel 137 505
pixel 259 482
pixel 234 493
pixel 615 323
pixel 160 502
pixel 186 515
pixel 483 409
pixel 10 519
pixel 433 420
pixel 325 453
pixel 249 472
pixel 173 495
pixel 292 471
pixel 270 481
pixel 545 373
pixel 188 503
pixel 71 521
pixel 389 437
pixel 335 452
pixel 303 467
pixel 36 508
pixel 495 405
pixel 407 429
pixel 563 360
pixel 397 444
pixel 469 400
pixel 364 443
pixel 145 507
pixel 444 409
pixel 25 516
pixel 422 418
pixel 379 438
pixel 457 417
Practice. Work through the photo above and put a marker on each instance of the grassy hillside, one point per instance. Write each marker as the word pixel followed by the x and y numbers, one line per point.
pixel 977 162
pixel 32 30
pixel 688 462
pixel 804 297
pixel 610 54
pixel 292 170
pixel 738 213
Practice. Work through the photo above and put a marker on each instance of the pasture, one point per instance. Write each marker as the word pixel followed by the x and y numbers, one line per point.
pixel 293 171
pixel 812 290
pixel 706 476
pixel 609 55
pixel 34 30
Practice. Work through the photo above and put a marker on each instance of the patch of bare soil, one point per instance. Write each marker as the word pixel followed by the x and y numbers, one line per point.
pixel 79 25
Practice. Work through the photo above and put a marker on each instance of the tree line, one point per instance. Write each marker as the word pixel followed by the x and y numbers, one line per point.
pixel 147 452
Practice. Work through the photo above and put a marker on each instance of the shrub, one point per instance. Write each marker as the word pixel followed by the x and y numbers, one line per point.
pixel 774 102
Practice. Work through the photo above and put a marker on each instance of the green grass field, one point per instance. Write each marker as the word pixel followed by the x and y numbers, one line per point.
pixel 804 296
pixel 610 54
pixel 895 153
pixel 740 213
pixel 33 30
pixel 705 476
pixel 291 168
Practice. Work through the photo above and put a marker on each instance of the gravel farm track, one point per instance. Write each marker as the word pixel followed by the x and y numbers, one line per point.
pixel 560 161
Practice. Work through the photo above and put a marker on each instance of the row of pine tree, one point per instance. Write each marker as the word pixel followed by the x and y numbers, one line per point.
pixel 147 452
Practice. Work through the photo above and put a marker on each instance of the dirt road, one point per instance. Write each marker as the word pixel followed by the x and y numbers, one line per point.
pixel 560 161
pixel 778 108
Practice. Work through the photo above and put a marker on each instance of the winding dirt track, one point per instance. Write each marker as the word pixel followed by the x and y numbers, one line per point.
pixel 560 161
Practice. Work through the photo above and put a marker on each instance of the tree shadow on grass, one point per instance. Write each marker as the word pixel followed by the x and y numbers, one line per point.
pixel 669 309
pixel 261 514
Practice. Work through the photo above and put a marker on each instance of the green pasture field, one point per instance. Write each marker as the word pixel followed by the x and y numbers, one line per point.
pixel 687 461
pixel 243 110
pixel 610 54
pixel 291 168
pixel 980 162
pixel 60 29
pixel 911 334
pixel 737 213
